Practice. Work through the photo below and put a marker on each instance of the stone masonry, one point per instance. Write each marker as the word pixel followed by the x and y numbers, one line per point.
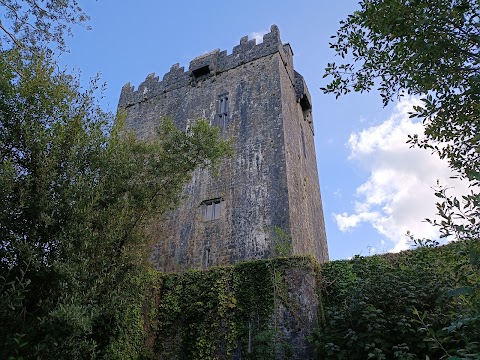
pixel 257 98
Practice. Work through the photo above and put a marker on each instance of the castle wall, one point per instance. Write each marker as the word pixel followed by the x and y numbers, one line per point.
pixel 254 186
pixel 307 225
pixel 264 309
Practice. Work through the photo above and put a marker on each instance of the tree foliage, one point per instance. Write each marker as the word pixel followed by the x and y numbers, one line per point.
pixel 419 304
pixel 38 24
pixel 76 194
pixel 430 49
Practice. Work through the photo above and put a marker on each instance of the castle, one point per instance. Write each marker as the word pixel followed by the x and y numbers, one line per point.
pixel 270 186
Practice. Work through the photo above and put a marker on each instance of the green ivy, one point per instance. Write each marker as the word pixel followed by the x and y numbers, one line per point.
pixel 409 305
pixel 223 311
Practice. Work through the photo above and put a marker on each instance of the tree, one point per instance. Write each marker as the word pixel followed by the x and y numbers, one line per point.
pixel 428 48
pixel 76 196
pixel 394 306
pixel 77 193
pixel 38 25
pixel 431 49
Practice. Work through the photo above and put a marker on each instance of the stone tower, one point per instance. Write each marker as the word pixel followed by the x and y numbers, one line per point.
pixel 255 96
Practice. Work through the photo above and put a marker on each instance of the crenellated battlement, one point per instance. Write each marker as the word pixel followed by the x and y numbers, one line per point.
pixel 204 66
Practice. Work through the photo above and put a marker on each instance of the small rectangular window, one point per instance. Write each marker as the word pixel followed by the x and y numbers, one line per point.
pixel 223 110
pixel 202 71
pixel 212 209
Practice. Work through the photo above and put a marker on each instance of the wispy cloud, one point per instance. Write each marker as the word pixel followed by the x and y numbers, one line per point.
pixel 398 194
pixel 258 36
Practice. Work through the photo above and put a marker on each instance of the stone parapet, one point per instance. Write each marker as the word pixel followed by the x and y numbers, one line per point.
pixel 206 65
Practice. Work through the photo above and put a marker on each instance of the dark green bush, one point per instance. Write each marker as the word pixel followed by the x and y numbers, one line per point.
pixel 418 303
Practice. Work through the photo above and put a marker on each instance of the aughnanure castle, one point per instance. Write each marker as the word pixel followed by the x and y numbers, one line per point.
pixel 258 99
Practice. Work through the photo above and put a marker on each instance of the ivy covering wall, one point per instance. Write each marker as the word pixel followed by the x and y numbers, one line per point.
pixel 418 304
pixel 249 311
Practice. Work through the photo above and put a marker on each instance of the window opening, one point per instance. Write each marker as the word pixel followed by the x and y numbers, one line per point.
pixel 305 104
pixel 202 71
pixel 306 109
pixel 207 257
pixel 212 209
pixel 223 110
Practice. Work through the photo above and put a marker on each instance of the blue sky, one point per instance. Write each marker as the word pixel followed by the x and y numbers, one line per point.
pixel 373 187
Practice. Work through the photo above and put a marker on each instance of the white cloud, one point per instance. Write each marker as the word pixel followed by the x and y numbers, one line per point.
pixel 258 36
pixel 398 194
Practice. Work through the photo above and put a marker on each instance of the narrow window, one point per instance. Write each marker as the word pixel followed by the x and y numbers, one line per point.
pixel 207 257
pixel 212 209
pixel 223 110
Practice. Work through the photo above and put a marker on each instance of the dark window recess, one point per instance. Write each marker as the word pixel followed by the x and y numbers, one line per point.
pixel 306 109
pixel 223 110
pixel 305 104
pixel 202 71
pixel 212 209
pixel 207 257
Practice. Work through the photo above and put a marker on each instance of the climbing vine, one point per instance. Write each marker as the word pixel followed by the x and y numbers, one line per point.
pixel 225 310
